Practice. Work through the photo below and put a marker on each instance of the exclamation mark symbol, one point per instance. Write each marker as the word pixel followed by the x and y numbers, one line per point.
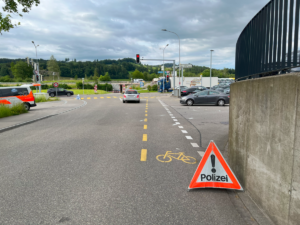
pixel 213 157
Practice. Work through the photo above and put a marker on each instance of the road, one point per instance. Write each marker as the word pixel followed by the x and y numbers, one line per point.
pixel 84 167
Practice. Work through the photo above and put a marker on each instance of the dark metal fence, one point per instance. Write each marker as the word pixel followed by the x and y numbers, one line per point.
pixel 268 45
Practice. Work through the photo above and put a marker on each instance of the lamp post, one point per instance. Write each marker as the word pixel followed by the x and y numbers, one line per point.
pixel 210 67
pixel 179 60
pixel 37 65
pixel 164 67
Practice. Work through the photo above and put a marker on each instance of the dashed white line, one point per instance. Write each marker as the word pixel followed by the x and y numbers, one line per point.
pixel 201 153
pixel 184 131
pixel 180 127
pixel 189 137
pixel 175 119
pixel 195 145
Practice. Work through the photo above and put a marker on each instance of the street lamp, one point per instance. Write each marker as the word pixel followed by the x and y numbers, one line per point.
pixel 164 66
pixel 210 67
pixel 37 66
pixel 179 59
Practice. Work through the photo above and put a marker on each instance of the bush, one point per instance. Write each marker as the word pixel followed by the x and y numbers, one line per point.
pixel 6 111
pixel 154 87
pixel 103 87
pixel 149 87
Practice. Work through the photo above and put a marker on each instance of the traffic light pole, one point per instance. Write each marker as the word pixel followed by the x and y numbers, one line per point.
pixel 164 61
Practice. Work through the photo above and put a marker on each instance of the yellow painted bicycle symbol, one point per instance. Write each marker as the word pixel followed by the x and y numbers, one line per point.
pixel 179 156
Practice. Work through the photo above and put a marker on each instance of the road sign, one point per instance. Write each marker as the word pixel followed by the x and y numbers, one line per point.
pixel 214 172
pixel 186 65
pixel 55 84
pixel 141 84
pixel 162 72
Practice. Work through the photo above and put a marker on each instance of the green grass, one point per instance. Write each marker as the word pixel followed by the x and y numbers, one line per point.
pixel 88 92
pixel 6 111
pixel 146 91
pixel 43 99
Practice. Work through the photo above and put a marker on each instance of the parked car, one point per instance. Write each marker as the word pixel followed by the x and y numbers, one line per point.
pixel 60 91
pixel 206 98
pixel 131 95
pixel 191 89
pixel 227 91
pixel 181 87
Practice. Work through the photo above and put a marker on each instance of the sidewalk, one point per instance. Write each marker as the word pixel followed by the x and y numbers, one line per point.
pixel 42 109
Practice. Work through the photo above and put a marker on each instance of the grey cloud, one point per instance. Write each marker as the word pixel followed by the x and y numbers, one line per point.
pixel 88 30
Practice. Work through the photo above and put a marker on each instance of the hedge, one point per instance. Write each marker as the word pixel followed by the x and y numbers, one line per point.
pixel 103 87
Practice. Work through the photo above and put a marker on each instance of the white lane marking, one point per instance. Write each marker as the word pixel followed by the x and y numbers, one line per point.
pixel 177 123
pixel 180 127
pixel 195 145
pixel 120 99
pixel 201 153
pixel 175 119
pixel 190 118
pixel 189 137
pixel 184 131
pixel 171 114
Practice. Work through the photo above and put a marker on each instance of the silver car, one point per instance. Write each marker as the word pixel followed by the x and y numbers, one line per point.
pixel 131 95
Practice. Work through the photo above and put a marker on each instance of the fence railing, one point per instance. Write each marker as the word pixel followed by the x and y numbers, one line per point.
pixel 268 45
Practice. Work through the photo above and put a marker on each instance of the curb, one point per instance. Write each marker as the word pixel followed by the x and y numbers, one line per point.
pixel 38 119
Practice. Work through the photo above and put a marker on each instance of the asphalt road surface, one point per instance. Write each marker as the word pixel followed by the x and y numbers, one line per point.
pixel 98 165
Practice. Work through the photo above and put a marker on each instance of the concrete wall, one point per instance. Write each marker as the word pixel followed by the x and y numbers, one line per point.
pixel 264 143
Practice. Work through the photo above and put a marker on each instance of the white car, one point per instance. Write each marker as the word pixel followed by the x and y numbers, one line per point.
pixel 131 95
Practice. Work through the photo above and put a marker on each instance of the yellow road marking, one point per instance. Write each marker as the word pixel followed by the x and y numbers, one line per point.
pixel 146 114
pixel 95 98
pixel 108 97
pixel 146 111
pixel 152 97
pixel 88 98
pixel 146 97
pixel 115 97
pixel 102 97
pixel 145 127
pixel 82 98
pixel 144 137
pixel 145 120
pixel 144 155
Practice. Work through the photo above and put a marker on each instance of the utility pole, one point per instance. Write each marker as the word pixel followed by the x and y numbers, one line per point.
pixel 210 67
pixel 164 68
pixel 37 66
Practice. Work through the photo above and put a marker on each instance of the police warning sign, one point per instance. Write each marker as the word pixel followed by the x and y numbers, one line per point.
pixel 214 172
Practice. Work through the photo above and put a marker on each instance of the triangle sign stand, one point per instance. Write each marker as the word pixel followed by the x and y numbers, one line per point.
pixel 214 172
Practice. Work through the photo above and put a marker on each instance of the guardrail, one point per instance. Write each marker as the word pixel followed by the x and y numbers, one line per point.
pixel 268 45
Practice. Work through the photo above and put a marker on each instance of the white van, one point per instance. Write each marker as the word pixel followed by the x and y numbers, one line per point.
pixel 14 95
pixel 138 80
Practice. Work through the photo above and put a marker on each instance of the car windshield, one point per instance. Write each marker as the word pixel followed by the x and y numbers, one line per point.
pixel 202 93
pixel 131 92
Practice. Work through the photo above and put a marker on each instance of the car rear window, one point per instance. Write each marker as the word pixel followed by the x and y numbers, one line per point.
pixel 131 92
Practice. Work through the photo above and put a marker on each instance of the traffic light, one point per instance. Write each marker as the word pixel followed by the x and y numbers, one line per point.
pixel 137 58
pixel 37 77
pixel 167 77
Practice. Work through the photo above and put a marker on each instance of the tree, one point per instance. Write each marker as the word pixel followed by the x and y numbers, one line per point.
pixel 106 77
pixel 4 71
pixel 21 70
pixel 52 66
pixel 137 75
pixel 76 77
pixel 13 6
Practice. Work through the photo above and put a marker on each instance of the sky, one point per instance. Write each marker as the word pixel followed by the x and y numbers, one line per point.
pixel 114 29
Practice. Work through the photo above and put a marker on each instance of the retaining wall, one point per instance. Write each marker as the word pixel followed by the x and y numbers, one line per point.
pixel 264 143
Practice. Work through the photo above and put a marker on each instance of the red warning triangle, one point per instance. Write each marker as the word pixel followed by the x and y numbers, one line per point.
pixel 214 172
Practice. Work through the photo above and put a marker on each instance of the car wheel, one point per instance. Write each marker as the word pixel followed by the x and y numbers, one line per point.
pixel 139 101
pixel 52 95
pixel 26 106
pixel 190 102
pixel 123 101
pixel 221 103
pixel 68 94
